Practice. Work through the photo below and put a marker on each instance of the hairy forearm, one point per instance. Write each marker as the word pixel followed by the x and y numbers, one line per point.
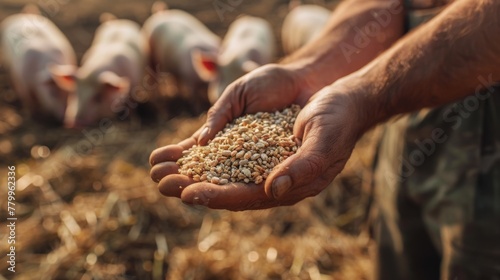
pixel 454 55
pixel 357 32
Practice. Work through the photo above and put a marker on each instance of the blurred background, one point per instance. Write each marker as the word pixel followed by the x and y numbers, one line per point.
pixel 87 208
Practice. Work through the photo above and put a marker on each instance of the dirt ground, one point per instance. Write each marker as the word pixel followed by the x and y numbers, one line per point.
pixel 87 208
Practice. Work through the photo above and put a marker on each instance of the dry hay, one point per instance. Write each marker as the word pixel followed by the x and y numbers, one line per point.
pixel 100 216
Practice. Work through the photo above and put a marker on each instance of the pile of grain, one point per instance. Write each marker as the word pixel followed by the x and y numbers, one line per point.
pixel 246 150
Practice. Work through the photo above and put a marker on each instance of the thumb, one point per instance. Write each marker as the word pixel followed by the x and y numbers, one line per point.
pixel 222 112
pixel 315 164
pixel 309 164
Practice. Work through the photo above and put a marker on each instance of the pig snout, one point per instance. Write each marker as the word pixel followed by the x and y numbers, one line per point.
pixel 57 89
pixel 97 99
pixel 111 67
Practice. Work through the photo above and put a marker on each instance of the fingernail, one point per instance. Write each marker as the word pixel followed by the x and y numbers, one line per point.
pixel 281 185
pixel 204 134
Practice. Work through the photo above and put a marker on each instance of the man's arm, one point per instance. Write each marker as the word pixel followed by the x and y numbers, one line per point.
pixel 358 31
pixel 448 58
pixel 438 63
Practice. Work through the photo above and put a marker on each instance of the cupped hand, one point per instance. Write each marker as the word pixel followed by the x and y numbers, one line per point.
pixel 326 126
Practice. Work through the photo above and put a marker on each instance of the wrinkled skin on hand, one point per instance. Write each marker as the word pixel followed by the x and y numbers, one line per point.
pixel 325 126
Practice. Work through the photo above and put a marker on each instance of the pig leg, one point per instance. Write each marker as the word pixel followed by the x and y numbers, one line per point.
pixel 197 97
pixel 25 96
pixel 20 80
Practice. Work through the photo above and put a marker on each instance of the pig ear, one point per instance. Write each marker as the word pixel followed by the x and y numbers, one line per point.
pixel 158 6
pixel 105 17
pixel 113 83
pixel 205 64
pixel 294 4
pixel 249 66
pixel 31 9
pixel 63 76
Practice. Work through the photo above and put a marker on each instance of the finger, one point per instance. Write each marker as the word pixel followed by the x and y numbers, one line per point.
pixel 173 185
pixel 233 196
pixel 172 152
pixel 222 112
pixel 163 169
pixel 166 153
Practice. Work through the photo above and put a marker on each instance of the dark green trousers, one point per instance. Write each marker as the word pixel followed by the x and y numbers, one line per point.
pixel 437 193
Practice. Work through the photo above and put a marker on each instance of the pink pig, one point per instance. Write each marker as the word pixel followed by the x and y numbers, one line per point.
pixel 178 44
pixel 41 62
pixel 302 24
pixel 112 68
pixel 248 44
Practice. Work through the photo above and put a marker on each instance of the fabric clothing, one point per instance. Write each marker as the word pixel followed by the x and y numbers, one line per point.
pixel 437 189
